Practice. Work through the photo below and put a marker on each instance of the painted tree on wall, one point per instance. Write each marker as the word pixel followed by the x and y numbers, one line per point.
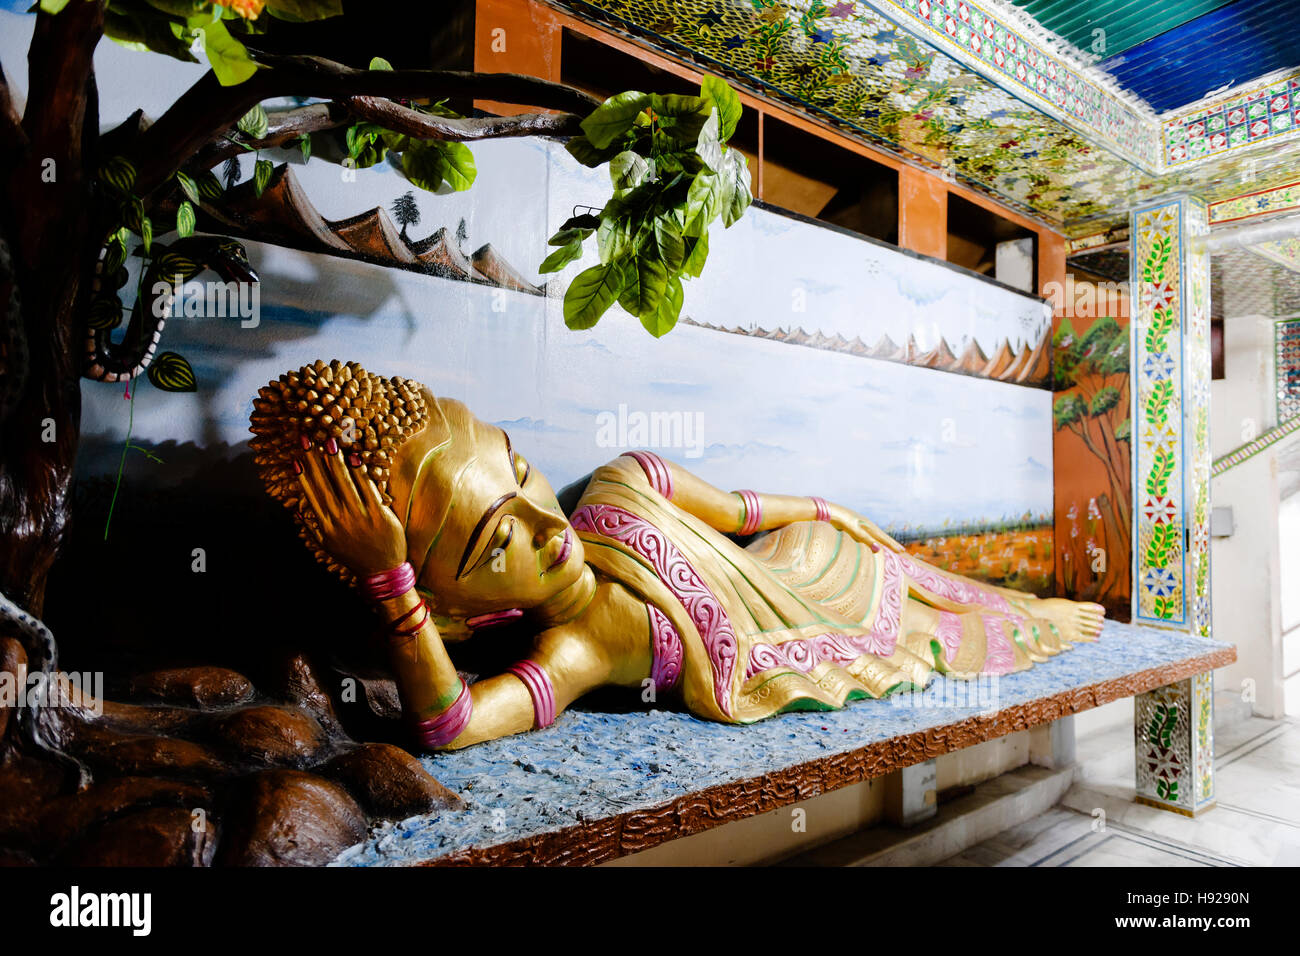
pixel 1091 374
pixel 81 205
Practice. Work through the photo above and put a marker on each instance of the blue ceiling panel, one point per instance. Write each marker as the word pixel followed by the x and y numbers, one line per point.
pixel 1226 47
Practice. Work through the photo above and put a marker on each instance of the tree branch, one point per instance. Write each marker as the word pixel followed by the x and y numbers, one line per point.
pixel 403 119
pixel 208 108
pixel 60 62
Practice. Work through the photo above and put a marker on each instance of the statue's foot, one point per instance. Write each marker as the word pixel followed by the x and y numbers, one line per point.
pixel 1075 620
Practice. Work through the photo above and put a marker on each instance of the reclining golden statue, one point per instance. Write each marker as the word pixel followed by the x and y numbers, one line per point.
pixel 449 531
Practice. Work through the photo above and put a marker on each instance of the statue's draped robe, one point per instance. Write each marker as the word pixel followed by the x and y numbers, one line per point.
pixel 805 618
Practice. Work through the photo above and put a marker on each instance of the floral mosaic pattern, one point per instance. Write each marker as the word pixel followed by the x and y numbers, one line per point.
pixel 1174 729
pixel 978 37
pixel 1158 413
pixel 1196 299
pixel 1262 203
pixel 1286 368
pixel 1243 119
pixel 847 63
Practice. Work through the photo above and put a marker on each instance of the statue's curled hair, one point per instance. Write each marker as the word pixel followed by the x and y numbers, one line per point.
pixel 368 414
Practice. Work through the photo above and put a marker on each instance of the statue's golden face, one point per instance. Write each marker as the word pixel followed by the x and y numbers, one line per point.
pixel 484 530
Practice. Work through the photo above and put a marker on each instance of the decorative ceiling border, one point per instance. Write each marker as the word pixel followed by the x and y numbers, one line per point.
pixel 1264 202
pixel 1263 112
pixel 987 44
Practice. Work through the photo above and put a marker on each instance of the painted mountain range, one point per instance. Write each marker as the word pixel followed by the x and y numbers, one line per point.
pixel 1030 365
pixel 284 215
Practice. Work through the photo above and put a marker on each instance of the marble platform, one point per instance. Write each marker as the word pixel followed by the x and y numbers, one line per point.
pixel 598 785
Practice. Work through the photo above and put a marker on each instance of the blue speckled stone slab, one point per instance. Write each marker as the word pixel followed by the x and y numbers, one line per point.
pixel 588 766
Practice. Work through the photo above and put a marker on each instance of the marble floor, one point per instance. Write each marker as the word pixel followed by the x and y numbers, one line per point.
pixel 1255 823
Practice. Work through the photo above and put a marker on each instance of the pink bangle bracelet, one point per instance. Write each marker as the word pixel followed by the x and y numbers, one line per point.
pixel 539 689
pixel 656 471
pixel 823 509
pixel 447 726
pixel 389 584
pixel 753 512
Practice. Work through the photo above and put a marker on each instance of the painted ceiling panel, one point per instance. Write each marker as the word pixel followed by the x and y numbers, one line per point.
pixel 1126 22
pixel 1227 47
pixel 849 65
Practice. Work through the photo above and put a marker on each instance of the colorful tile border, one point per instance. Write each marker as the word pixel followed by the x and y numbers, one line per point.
pixel 1159 491
pixel 1264 202
pixel 1251 449
pixel 1236 120
pixel 983 38
pixel 1115 234
pixel 1286 370
pixel 1174 737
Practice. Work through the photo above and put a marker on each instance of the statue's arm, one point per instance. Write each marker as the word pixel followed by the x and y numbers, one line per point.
pixel 734 512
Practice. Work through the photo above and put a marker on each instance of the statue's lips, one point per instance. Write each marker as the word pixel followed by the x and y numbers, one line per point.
pixel 566 548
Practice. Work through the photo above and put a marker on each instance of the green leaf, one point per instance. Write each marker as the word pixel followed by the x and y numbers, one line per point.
pixel 682 117
pixel 188 187
pixel 379 63
pixel 644 288
pixel 118 173
pixel 613 237
pixel 209 186
pixel 671 245
pixel 694 263
pixel 53 6
pixel 581 149
pixel 738 195
pixel 613 118
pixel 185 220
pixel 568 233
pixel 708 146
pixel 170 372
pixel 727 103
pixel 133 213
pixel 262 170
pixel 662 320
pixel 304 144
pixel 146 233
pixel 228 57
pixel 702 203
pixel 255 123
pixel 114 254
pixel 592 292
pixel 627 170
pixel 561 257
pixel 302 10
pixel 105 312
pixel 428 164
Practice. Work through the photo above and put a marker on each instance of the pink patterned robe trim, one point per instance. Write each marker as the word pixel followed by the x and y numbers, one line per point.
pixel 963 592
pixel 672 568
pixel 803 654
pixel 667 646
pixel 539 688
pixel 949 634
pixel 656 471
pixel 753 512
pixel 999 657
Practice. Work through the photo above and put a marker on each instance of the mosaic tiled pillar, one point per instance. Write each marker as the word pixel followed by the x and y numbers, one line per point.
pixel 1171 483
pixel 1174 727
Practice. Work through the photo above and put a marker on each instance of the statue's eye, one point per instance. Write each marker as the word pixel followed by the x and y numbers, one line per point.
pixel 522 470
pixel 499 543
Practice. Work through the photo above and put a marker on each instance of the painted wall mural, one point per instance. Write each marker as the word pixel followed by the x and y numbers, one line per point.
pixel 1091 415
pixel 958 465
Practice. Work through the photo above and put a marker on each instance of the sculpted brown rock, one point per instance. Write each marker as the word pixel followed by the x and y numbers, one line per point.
pixel 161 836
pixel 290 818
pixel 269 735
pixel 194 686
pixel 389 782
pixel 145 755
pixel 66 818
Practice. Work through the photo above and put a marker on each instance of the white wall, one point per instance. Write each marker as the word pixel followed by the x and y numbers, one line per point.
pixel 1244 568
